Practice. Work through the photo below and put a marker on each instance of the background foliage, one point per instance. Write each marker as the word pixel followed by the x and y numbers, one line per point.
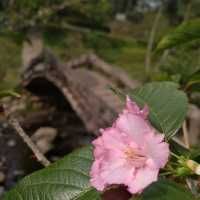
pixel 120 32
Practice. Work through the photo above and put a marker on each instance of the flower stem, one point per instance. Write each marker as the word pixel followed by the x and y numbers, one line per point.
pixel 173 154
pixel 165 173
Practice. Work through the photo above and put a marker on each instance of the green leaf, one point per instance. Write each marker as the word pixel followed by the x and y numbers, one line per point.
pixel 193 83
pixel 8 93
pixel 165 190
pixel 167 104
pixel 67 179
pixel 176 148
pixel 185 33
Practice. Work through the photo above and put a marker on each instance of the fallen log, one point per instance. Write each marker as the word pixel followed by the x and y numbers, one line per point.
pixel 81 82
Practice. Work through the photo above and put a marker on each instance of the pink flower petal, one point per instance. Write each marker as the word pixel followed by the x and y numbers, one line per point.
pixel 97 181
pixel 133 108
pixel 133 125
pixel 131 152
pixel 156 149
pixel 117 172
pixel 143 178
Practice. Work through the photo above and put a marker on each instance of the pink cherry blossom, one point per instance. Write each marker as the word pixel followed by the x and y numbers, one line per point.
pixel 129 153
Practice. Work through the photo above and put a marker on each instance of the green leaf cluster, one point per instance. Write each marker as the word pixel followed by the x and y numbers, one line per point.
pixel 68 179
pixel 185 33
pixel 167 104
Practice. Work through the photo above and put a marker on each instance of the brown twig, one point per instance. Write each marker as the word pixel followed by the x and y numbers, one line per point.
pixel 15 124
pixel 186 135
pixel 190 183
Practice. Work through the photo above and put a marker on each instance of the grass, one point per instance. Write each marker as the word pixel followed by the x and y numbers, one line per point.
pixel 10 62
pixel 125 47
pixel 125 52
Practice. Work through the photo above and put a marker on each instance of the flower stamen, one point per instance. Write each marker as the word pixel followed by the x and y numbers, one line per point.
pixel 137 158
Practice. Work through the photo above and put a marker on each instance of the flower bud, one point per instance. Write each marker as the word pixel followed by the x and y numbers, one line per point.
pixel 194 166
pixel 183 171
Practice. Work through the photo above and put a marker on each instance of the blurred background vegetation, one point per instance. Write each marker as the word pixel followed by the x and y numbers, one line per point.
pixel 122 32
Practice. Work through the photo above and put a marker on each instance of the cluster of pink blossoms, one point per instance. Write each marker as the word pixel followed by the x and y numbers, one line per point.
pixel 129 153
